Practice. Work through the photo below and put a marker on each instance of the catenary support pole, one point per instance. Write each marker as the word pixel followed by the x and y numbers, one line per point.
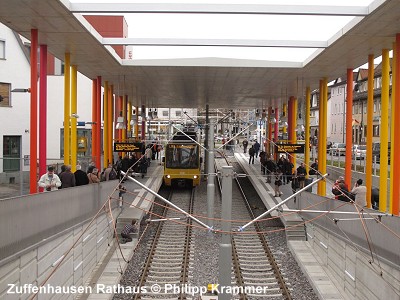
pixel 74 121
pixel 225 247
pixel 206 139
pixel 211 177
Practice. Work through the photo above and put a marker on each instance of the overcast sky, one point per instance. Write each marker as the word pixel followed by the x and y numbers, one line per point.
pixel 214 26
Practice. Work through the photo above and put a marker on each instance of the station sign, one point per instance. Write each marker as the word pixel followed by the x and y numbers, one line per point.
pixel 128 147
pixel 289 148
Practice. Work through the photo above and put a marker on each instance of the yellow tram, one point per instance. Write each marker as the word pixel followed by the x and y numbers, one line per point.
pixel 182 161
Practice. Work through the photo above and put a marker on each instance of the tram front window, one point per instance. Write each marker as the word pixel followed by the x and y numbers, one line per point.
pixel 182 156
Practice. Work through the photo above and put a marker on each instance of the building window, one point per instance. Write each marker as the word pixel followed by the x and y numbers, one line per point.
pixel 178 113
pixel 165 113
pixel 2 49
pixel 5 89
pixel 375 129
pixel 11 153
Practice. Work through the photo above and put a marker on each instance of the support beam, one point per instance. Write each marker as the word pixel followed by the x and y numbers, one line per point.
pixel 370 111
pixel 211 176
pixel 215 42
pixel 106 124
pixel 94 123
pixel 384 131
pixel 307 130
pixel 33 176
pixel 395 146
pixel 110 128
pixel 43 110
pixel 349 127
pixel 67 109
pixel 74 121
pixel 197 8
pixel 98 122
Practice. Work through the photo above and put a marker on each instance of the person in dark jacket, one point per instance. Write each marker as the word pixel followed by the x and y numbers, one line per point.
pixel 251 153
pixel 256 147
pixel 287 170
pixel 340 190
pixel 80 176
pixel 67 178
pixel 301 175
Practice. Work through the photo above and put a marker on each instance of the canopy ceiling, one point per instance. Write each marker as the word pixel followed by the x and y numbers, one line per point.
pixel 192 83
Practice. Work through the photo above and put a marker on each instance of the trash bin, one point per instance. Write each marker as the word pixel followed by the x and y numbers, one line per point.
pixel 307 182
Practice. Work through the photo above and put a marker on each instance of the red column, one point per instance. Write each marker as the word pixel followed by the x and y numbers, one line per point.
pixel 43 111
pixel 395 146
pixel 34 115
pixel 94 123
pixel 276 124
pixel 98 122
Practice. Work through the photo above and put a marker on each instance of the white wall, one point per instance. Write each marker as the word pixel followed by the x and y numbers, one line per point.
pixel 15 69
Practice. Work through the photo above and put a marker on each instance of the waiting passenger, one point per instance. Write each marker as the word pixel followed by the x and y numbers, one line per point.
pixel 50 181
pixel 93 176
pixel 67 178
pixel 81 177
pixel 360 192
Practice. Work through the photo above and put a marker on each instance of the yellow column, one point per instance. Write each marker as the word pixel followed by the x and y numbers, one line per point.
pixel 320 137
pixel 106 124
pixel 129 112
pixel 307 130
pixel 74 110
pixel 384 131
pixel 111 122
pixel 284 109
pixel 67 109
pixel 124 114
pixel 370 110
pixel 392 130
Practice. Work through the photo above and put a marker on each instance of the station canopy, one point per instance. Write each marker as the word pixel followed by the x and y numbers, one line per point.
pixel 228 54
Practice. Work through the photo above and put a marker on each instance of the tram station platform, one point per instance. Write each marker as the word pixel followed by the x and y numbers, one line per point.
pixel 305 256
pixel 134 207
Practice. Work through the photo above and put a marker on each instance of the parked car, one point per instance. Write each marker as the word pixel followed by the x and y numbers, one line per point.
pixel 338 149
pixel 359 151
pixel 376 151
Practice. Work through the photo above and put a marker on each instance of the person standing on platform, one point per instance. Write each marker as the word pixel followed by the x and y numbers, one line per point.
pixel 148 154
pixel 256 148
pixel 245 144
pixel 50 181
pixel 314 168
pixel 251 153
pixel 143 165
pixel 93 176
pixel 287 170
pixel 278 182
pixel 301 175
pixel 80 176
pixel 360 192
pixel 67 178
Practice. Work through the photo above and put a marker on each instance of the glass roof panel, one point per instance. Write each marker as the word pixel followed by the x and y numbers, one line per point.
pixel 237 26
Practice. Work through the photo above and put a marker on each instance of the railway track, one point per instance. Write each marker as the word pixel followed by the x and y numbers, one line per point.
pixel 254 265
pixel 170 252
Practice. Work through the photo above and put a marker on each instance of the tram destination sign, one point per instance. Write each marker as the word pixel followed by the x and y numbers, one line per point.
pixel 127 147
pixel 290 148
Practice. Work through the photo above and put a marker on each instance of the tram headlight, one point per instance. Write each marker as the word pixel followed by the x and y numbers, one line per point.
pixel 168 176
pixel 195 176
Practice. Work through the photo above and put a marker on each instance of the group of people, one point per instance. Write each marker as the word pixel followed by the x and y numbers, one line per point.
pixel 358 193
pixel 50 181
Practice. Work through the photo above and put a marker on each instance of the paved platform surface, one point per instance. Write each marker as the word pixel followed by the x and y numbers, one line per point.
pixel 109 273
